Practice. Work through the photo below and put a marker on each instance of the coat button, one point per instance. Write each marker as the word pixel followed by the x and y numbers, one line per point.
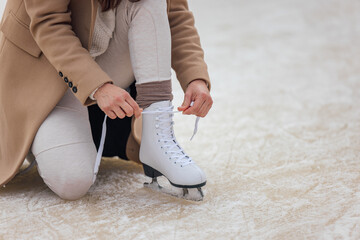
pixel 74 89
pixel 66 79
pixel 70 84
pixel 61 74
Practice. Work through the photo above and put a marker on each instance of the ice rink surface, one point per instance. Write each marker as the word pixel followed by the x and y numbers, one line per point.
pixel 281 147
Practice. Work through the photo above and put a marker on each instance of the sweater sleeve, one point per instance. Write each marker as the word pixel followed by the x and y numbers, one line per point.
pixel 187 54
pixel 51 28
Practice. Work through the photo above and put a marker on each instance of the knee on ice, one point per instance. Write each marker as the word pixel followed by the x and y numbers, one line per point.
pixel 73 187
pixel 68 170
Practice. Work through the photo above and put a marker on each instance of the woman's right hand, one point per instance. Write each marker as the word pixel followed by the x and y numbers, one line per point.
pixel 116 102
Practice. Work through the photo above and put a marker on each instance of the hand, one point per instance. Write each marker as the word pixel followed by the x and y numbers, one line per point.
pixel 116 102
pixel 198 92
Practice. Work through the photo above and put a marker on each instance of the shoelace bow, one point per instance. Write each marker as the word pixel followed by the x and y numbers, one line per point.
pixel 167 135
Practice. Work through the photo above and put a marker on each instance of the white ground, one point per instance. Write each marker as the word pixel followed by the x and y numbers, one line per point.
pixel 281 146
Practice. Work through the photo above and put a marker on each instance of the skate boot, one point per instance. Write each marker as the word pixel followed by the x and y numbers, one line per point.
pixel 162 155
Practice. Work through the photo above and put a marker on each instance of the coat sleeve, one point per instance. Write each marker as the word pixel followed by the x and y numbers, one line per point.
pixel 50 26
pixel 187 54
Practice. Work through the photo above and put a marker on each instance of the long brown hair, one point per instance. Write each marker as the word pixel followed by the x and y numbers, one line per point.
pixel 111 4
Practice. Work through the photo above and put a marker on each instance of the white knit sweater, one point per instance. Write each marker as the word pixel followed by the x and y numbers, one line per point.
pixel 103 32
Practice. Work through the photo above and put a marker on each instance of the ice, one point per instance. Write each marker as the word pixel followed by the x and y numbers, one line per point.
pixel 280 148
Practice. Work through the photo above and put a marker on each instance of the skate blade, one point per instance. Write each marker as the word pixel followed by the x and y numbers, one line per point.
pixel 192 194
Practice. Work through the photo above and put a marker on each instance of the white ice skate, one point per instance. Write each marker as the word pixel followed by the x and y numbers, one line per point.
pixel 162 155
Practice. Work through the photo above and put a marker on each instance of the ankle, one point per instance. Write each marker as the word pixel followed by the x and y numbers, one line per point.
pixel 152 92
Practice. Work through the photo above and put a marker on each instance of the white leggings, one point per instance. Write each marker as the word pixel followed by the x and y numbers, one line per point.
pixel 141 49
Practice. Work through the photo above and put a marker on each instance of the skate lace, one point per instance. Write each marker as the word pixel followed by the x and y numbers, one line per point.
pixel 165 124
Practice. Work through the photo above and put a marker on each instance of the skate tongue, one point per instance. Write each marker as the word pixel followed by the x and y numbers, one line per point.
pixel 166 107
pixel 156 105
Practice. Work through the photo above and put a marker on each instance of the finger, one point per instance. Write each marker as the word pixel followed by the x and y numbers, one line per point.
pixel 204 109
pixel 206 106
pixel 119 112
pixel 111 114
pixel 136 109
pixel 201 110
pixel 107 110
pixel 195 108
pixel 186 102
pixel 127 109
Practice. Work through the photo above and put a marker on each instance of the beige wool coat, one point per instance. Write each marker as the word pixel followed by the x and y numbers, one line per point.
pixel 44 51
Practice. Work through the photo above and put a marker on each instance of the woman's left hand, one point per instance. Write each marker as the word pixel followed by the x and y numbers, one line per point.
pixel 198 92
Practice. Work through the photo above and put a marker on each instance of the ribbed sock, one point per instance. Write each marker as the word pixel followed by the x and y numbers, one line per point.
pixel 150 92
